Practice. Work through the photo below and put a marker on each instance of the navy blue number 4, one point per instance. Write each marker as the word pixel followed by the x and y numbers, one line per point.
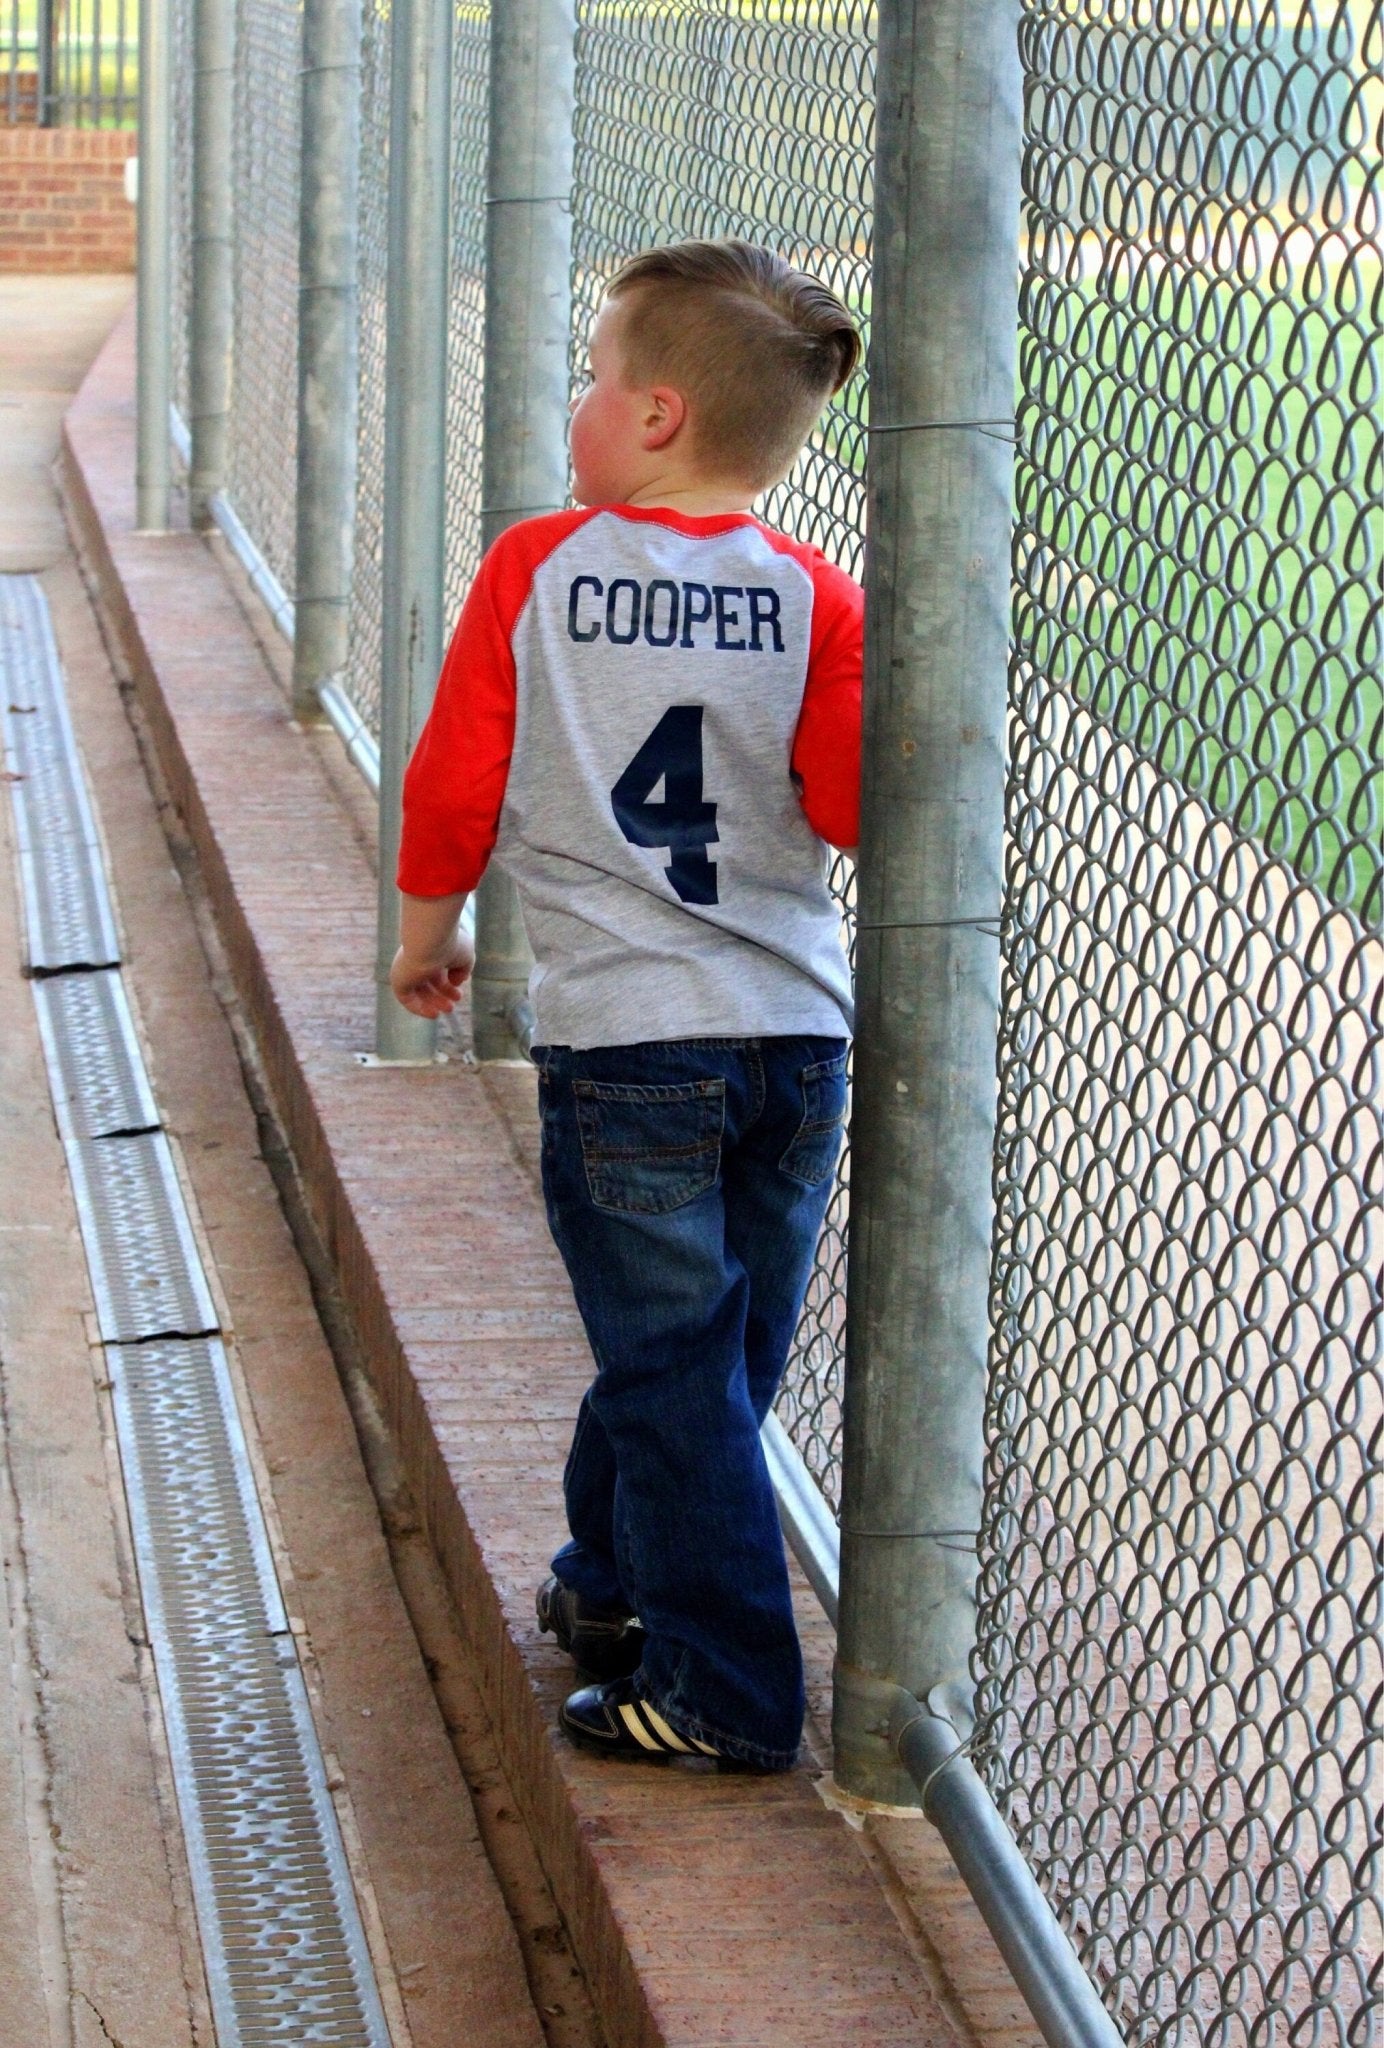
pixel 682 822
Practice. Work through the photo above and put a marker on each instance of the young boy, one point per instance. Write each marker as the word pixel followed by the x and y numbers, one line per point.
pixel 650 712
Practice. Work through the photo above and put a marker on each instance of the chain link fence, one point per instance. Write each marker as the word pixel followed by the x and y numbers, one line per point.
pixel 1179 1624
pixel 465 333
pixel 466 318
pixel 1178 1662
pixel 362 678
pixel 183 58
pixel 262 441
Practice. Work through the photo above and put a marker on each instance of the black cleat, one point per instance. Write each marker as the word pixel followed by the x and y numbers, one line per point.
pixel 605 1643
pixel 614 1720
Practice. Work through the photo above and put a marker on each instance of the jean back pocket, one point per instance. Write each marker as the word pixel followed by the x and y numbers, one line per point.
pixel 812 1154
pixel 650 1148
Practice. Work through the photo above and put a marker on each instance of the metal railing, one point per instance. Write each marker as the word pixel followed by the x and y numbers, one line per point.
pixel 69 63
pixel 1177 1666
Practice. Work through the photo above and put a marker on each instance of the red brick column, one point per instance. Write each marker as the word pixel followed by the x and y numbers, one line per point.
pixel 62 199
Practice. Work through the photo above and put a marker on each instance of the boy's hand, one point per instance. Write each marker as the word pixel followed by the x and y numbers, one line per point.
pixel 435 956
pixel 430 988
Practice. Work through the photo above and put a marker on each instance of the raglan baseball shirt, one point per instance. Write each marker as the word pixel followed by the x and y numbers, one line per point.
pixel 653 722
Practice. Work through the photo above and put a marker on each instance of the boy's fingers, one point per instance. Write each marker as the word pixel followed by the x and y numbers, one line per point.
pixel 435 994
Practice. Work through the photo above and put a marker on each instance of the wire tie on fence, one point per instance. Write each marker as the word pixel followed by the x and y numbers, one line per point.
pixel 963 1748
pixel 988 925
pixel 969 1537
pixel 517 511
pixel 985 427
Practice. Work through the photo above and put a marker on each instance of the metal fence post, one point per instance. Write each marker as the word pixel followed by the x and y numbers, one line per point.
pixel 327 344
pixel 415 441
pixel 209 336
pixel 46 110
pixel 154 306
pixel 927 966
pixel 528 310
pixel 929 880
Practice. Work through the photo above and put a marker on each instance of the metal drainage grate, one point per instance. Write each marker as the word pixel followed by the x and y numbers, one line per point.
pixel 94 1062
pixel 286 1955
pixel 145 1271
pixel 67 908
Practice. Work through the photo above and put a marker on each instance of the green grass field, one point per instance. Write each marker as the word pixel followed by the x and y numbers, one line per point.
pixel 1200 498
pixel 1199 546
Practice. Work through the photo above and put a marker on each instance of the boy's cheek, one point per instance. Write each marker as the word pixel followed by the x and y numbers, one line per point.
pixel 589 432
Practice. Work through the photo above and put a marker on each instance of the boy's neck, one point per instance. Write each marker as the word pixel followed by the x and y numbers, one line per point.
pixel 697 500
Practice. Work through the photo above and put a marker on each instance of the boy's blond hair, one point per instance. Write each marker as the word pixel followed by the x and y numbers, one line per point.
pixel 756 346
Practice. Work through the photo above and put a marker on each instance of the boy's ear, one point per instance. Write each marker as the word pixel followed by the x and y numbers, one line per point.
pixel 664 414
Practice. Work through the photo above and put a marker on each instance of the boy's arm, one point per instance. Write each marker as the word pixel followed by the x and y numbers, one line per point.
pixel 454 786
pixel 826 748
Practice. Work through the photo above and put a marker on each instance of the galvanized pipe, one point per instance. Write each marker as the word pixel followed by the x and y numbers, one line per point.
pixel 153 288
pixel 1044 1964
pixel 528 310
pixel 937 629
pixel 209 336
pixel 327 344
pixel 415 440
pixel 929 885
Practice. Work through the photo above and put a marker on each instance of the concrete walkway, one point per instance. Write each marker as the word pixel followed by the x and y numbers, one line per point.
pixel 50 328
pixel 98 1941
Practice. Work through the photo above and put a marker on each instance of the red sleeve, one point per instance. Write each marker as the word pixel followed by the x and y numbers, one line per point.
pixel 454 785
pixel 826 747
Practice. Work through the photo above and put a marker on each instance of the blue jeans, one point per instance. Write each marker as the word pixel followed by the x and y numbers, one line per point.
pixel 686 1185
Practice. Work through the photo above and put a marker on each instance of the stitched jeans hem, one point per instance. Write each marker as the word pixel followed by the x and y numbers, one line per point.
pixel 688 1725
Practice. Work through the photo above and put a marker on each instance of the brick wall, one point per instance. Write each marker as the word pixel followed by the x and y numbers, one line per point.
pixel 62 199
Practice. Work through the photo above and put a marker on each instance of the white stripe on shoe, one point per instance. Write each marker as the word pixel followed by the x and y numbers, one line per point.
pixel 661 1728
pixel 629 1714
